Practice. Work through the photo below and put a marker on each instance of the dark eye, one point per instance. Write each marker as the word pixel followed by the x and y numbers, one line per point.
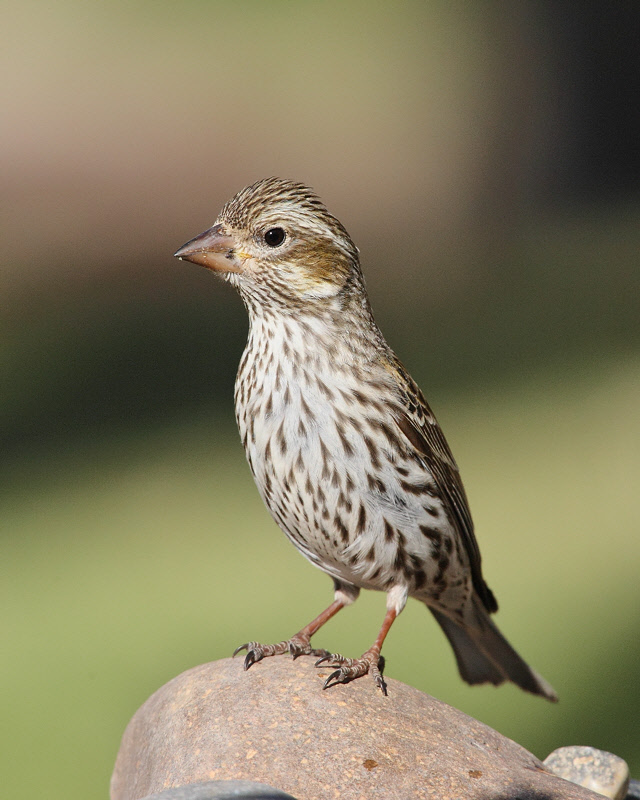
pixel 274 237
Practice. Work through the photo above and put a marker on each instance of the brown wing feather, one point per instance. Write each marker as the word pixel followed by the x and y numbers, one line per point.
pixel 419 425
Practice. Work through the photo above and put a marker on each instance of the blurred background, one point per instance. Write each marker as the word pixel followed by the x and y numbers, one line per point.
pixel 485 159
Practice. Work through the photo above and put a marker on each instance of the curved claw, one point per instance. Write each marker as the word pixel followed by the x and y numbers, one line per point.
pixel 380 683
pixel 333 658
pixel 254 653
pixel 335 676
pixel 250 659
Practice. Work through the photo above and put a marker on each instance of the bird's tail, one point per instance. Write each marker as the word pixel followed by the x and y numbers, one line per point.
pixel 485 656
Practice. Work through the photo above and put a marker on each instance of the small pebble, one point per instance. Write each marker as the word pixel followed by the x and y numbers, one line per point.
pixel 593 769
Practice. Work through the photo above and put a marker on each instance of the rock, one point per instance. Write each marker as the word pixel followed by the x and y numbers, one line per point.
pixel 633 792
pixel 274 724
pixel 597 770
pixel 222 790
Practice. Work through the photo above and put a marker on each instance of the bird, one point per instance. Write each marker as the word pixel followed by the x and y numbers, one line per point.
pixel 344 449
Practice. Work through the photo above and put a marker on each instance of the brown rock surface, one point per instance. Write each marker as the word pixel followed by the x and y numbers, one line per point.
pixel 275 725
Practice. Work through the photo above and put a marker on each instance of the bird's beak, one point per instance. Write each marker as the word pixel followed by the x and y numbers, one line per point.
pixel 212 249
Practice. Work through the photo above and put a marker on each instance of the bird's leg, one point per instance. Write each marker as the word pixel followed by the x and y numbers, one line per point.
pixel 298 645
pixel 369 662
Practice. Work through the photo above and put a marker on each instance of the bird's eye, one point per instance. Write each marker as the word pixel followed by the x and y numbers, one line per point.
pixel 274 237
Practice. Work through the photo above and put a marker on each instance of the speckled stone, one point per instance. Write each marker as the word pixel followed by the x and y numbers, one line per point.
pixel 275 725
pixel 597 770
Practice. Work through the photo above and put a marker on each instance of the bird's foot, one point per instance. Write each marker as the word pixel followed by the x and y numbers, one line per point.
pixel 369 663
pixel 298 645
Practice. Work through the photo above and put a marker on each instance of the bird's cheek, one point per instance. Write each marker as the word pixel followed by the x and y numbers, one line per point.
pixel 312 285
pixel 318 289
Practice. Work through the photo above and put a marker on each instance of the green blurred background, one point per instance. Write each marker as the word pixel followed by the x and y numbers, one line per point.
pixel 484 157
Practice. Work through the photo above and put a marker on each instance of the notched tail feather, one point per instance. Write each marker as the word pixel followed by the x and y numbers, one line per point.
pixel 485 656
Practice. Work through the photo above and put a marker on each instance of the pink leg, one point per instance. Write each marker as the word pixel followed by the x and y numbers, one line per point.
pixel 297 645
pixel 369 662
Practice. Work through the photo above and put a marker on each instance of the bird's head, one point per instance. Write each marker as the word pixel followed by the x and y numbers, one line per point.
pixel 276 242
